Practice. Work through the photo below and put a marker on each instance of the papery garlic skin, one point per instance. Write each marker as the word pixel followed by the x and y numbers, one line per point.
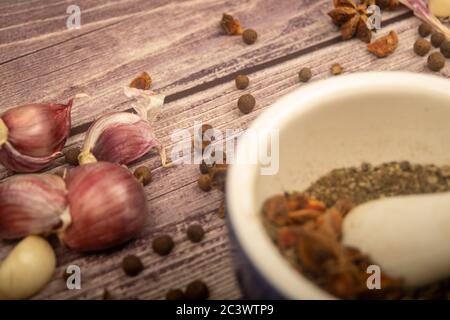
pixel 31 136
pixel 107 207
pixel 27 269
pixel 31 204
pixel 439 8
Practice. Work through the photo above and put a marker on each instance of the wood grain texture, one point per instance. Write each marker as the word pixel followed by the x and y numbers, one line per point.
pixel 187 56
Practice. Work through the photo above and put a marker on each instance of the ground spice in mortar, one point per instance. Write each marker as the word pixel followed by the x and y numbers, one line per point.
pixel 306 227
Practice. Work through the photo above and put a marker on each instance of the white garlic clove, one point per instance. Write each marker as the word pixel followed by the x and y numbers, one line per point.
pixel 27 268
pixel 439 8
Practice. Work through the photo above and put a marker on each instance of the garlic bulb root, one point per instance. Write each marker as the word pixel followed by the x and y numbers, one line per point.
pixel 27 268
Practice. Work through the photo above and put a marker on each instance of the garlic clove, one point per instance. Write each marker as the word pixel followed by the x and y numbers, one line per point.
pixel 32 136
pixel 439 8
pixel 27 268
pixel 107 207
pixel 31 204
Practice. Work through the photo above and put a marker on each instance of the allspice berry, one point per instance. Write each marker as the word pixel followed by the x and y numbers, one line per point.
pixel 436 61
pixel 71 156
pixel 445 48
pixel 163 245
pixel 305 74
pixel 425 30
pixel 246 103
pixel 197 290
pixel 437 38
pixel 175 294
pixel 422 47
pixel 204 182
pixel 249 36
pixel 336 69
pixel 132 265
pixel 242 82
pixel 195 233
pixel 143 175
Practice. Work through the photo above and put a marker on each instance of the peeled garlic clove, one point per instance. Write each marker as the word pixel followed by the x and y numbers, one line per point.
pixel 27 268
pixel 123 137
pixel 31 136
pixel 31 204
pixel 439 8
pixel 107 207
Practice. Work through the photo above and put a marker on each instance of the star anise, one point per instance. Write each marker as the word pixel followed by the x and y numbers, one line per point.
pixel 387 4
pixel 352 18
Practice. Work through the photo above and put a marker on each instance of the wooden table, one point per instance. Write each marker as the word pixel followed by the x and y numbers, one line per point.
pixel 194 64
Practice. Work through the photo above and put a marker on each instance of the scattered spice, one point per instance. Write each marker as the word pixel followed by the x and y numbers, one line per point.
pixel 195 233
pixel 242 82
pixel 249 36
pixel 71 156
pixel 107 295
pixel 384 46
pixel 163 245
pixel 336 69
pixel 143 81
pixel 425 29
pixel 422 47
pixel 204 182
pixel 305 74
pixel 143 175
pixel 437 38
pixel 230 25
pixel 436 61
pixel 175 294
pixel 204 168
pixel 352 19
pixel 307 226
pixel 246 103
pixel 221 210
pixel 132 265
pixel 387 4
pixel 445 48
pixel 197 290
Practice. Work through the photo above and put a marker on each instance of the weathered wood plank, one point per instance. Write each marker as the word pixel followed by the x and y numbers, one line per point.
pixel 180 50
pixel 174 198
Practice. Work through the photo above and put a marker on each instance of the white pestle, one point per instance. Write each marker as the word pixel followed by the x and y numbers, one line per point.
pixel 408 237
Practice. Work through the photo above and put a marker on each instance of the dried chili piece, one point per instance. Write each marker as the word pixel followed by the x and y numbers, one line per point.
pixel 142 82
pixel 384 46
pixel 230 25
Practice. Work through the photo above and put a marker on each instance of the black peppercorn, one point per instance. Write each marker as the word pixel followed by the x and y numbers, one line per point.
pixel 422 47
pixel 132 265
pixel 143 175
pixel 175 294
pixel 71 156
pixel 163 245
pixel 242 82
pixel 437 38
pixel 195 233
pixel 204 182
pixel 246 103
pixel 425 30
pixel 197 290
pixel 436 61
pixel 305 74
pixel 249 36
pixel 445 48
